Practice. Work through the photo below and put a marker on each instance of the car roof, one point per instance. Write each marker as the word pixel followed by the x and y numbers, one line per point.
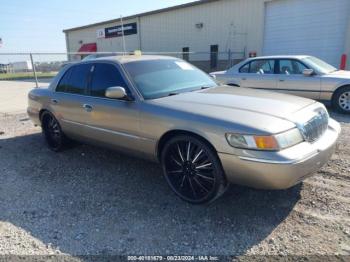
pixel 133 58
pixel 281 56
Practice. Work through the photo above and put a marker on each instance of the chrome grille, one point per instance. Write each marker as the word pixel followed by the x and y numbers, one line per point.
pixel 315 127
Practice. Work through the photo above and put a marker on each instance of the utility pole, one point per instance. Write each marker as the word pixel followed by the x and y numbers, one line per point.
pixel 34 71
pixel 124 48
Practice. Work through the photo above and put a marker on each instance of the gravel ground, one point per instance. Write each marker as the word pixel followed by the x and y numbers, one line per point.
pixel 88 200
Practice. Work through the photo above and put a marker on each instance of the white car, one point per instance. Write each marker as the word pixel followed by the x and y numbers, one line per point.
pixel 305 76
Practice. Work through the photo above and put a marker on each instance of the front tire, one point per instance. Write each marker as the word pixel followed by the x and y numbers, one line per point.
pixel 193 169
pixel 341 100
pixel 54 137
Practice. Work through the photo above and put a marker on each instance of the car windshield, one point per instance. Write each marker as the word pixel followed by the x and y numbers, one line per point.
pixel 319 65
pixel 164 77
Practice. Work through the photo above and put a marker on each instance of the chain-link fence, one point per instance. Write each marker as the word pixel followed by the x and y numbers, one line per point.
pixel 42 67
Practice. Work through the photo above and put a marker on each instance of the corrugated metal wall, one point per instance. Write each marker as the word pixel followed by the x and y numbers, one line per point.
pixel 89 35
pixel 231 24
pixel 237 25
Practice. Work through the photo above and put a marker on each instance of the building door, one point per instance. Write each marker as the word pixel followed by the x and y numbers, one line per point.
pixel 313 27
pixel 185 53
pixel 214 51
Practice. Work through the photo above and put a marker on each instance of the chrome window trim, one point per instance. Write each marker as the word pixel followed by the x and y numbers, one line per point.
pixel 96 97
pixel 133 90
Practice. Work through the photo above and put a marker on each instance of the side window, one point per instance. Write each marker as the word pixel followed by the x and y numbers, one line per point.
pixel 105 76
pixel 78 79
pixel 262 67
pixel 245 68
pixel 62 85
pixel 291 67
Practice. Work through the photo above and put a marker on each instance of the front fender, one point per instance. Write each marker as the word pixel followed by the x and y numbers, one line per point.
pixel 345 82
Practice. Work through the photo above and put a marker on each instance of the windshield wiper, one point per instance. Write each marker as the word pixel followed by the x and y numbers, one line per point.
pixel 177 93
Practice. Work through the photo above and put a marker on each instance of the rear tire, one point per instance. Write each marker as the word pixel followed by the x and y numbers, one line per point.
pixel 193 169
pixel 52 132
pixel 341 100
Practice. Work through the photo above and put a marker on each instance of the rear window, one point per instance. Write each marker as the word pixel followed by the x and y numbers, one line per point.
pixel 244 69
pixel 62 85
pixel 78 79
pixel 75 80
pixel 260 66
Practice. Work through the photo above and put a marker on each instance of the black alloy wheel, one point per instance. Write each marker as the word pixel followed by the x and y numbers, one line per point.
pixel 52 132
pixel 192 169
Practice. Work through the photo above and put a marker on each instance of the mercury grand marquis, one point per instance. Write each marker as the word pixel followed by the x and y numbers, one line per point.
pixel 204 135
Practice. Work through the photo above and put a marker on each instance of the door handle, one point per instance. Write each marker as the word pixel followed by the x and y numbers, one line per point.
pixel 54 101
pixel 88 108
pixel 282 80
pixel 244 78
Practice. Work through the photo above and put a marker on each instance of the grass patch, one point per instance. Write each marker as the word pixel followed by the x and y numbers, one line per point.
pixel 27 75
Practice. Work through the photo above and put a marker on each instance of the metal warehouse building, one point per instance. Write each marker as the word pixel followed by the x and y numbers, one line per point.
pixel 219 31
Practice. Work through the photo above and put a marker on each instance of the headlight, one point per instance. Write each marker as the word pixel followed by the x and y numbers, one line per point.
pixel 273 142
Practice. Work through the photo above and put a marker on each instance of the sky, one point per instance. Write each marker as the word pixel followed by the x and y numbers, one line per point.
pixel 36 26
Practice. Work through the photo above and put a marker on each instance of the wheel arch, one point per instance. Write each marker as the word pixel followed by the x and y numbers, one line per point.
pixel 176 132
pixel 41 113
pixel 337 89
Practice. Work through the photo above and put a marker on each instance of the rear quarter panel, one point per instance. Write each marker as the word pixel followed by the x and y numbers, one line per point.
pixel 38 100
pixel 229 79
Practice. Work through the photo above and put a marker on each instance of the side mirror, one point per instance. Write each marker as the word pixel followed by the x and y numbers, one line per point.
pixel 308 72
pixel 116 92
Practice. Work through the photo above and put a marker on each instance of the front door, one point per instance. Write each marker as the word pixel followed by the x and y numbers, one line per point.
pixel 291 80
pixel 112 122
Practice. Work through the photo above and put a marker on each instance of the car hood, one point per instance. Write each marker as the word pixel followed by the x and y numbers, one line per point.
pixel 262 110
pixel 342 74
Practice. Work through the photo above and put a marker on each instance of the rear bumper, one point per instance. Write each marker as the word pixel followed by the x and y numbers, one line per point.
pixel 34 116
pixel 273 172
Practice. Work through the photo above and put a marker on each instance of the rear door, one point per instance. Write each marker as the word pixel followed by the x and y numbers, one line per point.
pixel 259 73
pixel 69 98
pixel 291 79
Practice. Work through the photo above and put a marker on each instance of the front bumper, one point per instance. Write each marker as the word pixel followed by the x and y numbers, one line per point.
pixel 283 169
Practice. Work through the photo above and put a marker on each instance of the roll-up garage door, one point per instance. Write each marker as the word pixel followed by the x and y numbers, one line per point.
pixel 311 27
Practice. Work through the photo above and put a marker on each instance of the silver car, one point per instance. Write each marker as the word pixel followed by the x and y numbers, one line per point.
pixel 305 76
pixel 204 135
